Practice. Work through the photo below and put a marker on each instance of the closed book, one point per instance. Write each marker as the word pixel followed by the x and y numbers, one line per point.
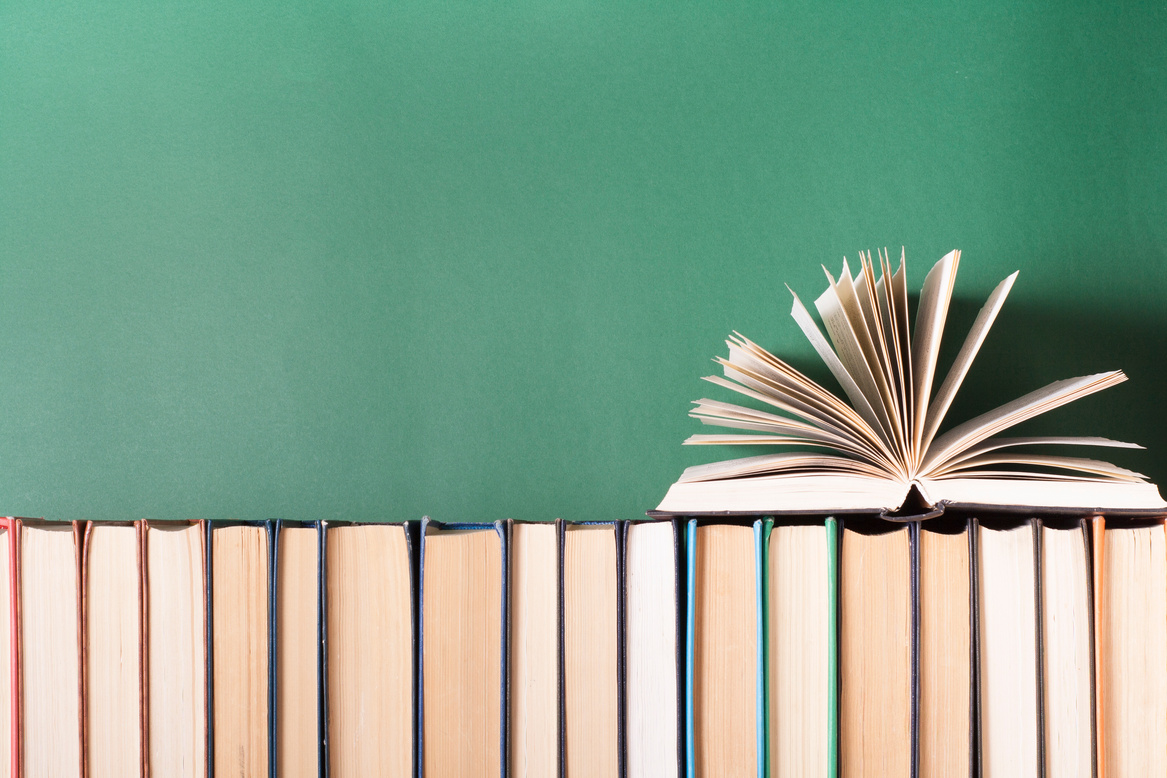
pixel 1009 649
pixel 239 565
pixel 463 649
pixel 1067 659
pixel 112 600
pixel 369 659
pixel 946 650
pixel 800 633
pixel 654 648
pixel 296 690
pixel 175 664
pixel 725 664
pixel 875 649
pixel 592 648
pixel 535 725
pixel 1131 647
pixel 50 646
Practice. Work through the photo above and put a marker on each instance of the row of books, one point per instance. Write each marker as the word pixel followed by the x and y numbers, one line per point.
pixel 652 648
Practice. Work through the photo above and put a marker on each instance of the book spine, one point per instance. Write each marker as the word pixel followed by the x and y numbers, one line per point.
pixel 914 610
pixel 690 644
pixel 974 565
pixel 679 578
pixel 323 767
pixel 271 527
pixel 832 530
pixel 973 652
pixel 502 529
pixel 81 536
pixel 621 529
pixel 209 648
pixel 759 658
pixel 561 637
pixel 1084 528
pixel 1039 639
pixel 762 531
pixel 1098 535
pixel 143 651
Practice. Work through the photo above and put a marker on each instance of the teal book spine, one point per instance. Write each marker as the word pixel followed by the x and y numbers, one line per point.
pixel 832 527
pixel 762 530
pixel 690 642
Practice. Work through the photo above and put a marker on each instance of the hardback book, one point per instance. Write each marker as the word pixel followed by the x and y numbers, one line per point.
pixel 592 722
pixel 463 649
pixel 9 653
pixel 1011 743
pixel 113 649
pixel 875 649
pixel 535 724
pixel 298 750
pixel 946 650
pixel 50 648
pixel 802 659
pixel 176 657
pixel 1131 647
pixel 880 448
pixel 725 713
pixel 1067 648
pixel 654 649
pixel 369 661
pixel 239 563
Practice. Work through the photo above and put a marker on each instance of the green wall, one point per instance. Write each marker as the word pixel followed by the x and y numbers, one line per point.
pixel 370 260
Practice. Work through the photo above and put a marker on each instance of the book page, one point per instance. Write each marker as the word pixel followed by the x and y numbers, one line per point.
pixel 858 399
pixel 900 308
pixel 968 352
pixel 1090 466
pixel 995 444
pixel 853 310
pixel 1033 404
pixel 846 343
pixel 934 300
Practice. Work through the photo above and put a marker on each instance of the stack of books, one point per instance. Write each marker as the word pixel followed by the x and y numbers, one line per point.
pixel 701 647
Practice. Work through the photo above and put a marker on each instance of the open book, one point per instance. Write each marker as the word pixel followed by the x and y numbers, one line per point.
pixel 880 449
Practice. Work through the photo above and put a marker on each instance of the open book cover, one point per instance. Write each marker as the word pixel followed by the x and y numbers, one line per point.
pixel 881 450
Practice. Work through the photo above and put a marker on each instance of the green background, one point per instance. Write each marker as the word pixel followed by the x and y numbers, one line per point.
pixel 370 260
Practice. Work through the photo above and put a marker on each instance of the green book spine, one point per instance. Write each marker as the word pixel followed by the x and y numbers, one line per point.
pixel 833 649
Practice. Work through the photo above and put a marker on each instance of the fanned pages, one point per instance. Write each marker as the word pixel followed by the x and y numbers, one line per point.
pixel 885 439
